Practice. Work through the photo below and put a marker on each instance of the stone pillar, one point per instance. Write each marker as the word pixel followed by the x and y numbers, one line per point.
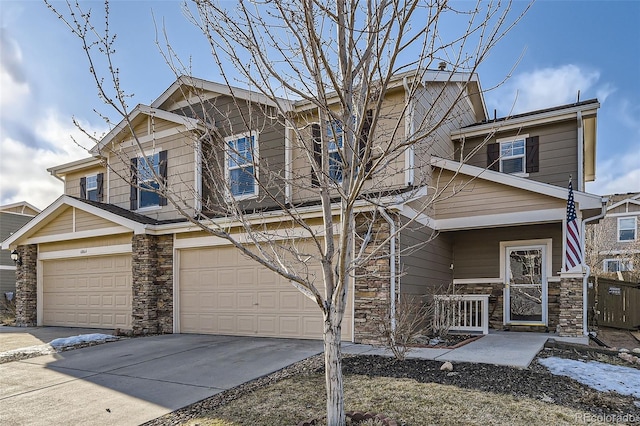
pixel 27 287
pixel 372 282
pixel 152 264
pixel 570 322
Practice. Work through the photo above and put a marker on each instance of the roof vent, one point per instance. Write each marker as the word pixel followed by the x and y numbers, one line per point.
pixel 442 66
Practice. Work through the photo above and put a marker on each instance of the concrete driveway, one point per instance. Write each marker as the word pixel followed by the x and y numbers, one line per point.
pixel 132 381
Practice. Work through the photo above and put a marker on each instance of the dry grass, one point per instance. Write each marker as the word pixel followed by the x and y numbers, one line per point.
pixel 302 398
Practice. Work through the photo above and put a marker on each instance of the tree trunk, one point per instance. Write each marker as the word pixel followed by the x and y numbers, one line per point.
pixel 333 369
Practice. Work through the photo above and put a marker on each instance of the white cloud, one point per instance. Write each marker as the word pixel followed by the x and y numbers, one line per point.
pixel 547 87
pixel 618 175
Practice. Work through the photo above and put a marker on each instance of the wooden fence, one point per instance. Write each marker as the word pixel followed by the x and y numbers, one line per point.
pixel 615 303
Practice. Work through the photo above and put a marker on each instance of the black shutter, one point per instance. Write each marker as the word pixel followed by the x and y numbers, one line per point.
pixel 493 154
pixel 83 188
pixel 533 150
pixel 364 137
pixel 100 182
pixel 133 197
pixel 162 171
pixel 317 152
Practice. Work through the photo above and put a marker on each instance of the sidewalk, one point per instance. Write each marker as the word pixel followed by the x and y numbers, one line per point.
pixel 22 337
pixel 514 349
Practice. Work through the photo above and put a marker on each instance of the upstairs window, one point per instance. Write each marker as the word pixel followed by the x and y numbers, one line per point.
pixel 512 156
pixel 615 265
pixel 145 188
pixel 517 155
pixel 334 134
pixel 627 229
pixel 91 187
pixel 242 151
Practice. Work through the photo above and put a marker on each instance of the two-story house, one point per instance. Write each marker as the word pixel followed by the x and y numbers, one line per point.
pixel 613 243
pixel 114 252
pixel 12 217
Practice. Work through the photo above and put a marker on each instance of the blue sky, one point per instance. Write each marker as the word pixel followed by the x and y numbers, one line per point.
pixel 566 46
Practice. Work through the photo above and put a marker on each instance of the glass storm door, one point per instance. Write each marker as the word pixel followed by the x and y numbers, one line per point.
pixel 526 286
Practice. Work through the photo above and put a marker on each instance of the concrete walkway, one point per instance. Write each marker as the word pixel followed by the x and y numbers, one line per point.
pixel 509 348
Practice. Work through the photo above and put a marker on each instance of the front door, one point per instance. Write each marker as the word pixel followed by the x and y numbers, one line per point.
pixel 526 286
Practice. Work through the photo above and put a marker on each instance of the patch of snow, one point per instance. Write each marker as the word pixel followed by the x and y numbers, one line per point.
pixel 597 375
pixel 80 339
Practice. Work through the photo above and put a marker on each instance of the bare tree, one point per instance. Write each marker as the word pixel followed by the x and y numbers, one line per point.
pixel 340 61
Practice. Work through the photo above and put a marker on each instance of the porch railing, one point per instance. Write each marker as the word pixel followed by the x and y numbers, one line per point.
pixel 463 312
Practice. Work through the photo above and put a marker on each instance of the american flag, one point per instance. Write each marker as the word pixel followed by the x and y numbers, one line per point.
pixel 573 251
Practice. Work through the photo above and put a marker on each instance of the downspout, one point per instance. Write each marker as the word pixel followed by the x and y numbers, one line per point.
pixel 585 301
pixel 392 265
pixel 580 152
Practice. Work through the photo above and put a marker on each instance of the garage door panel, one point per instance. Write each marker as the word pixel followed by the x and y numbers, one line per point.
pixel 88 292
pixel 244 298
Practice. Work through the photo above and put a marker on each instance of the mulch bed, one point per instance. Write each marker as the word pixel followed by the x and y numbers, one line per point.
pixel 535 382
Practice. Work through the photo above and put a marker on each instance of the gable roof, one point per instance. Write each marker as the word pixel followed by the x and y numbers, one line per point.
pixel 141 110
pixel 586 201
pixel 22 205
pixel 631 198
pixel 222 89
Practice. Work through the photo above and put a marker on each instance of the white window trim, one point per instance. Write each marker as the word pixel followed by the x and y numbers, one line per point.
pixel 254 164
pixel 523 137
pixel 143 157
pixel 635 229
pixel 628 261
pixel 86 188
pixel 332 138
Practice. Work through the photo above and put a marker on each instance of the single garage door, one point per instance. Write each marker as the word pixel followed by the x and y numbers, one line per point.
pixel 223 292
pixel 88 292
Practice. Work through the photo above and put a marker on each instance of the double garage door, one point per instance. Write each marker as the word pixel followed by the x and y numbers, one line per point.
pixel 223 292
pixel 91 292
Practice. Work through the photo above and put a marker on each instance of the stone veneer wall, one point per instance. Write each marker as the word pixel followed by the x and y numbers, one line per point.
pixel 372 287
pixel 27 287
pixel 152 264
pixel 496 302
pixel 571 314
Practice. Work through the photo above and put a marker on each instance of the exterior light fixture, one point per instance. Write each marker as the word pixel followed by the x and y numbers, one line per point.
pixel 15 256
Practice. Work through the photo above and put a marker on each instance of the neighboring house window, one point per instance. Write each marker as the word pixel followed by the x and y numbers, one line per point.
pixel 242 151
pixel 144 186
pixel 627 229
pixel 615 265
pixel 334 134
pixel 514 156
pixel 91 187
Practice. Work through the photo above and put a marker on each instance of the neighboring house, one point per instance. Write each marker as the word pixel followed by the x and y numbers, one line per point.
pixel 613 244
pixel 109 254
pixel 12 217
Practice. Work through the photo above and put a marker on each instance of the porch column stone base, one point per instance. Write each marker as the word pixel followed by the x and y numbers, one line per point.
pixel 152 303
pixel 26 296
pixel 570 323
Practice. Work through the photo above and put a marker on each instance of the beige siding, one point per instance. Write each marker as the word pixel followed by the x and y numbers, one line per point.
pixel 389 132
pixel 625 208
pixel 72 180
pixel 22 210
pixel 61 224
pixel 477 252
pixel 558 151
pixel 425 260
pixel 87 221
pixel 180 173
pixel 465 197
pixel 106 241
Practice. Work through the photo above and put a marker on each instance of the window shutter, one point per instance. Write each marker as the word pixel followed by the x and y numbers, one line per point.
pixel 533 162
pixel 317 152
pixel 83 188
pixel 100 181
pixel 364 138
pixel 162 168
pixel 493 154
pixel 133 198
